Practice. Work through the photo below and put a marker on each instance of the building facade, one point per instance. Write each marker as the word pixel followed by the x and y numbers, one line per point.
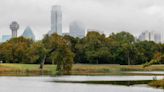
pixel 77 29
pixel 28 33
pixel 56 20
pixel 150 36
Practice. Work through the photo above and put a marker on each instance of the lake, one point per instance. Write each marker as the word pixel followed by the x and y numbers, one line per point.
pixel 46 84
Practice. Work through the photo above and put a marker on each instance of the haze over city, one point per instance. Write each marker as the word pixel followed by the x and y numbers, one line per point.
pixel 134 16
pixel 81 46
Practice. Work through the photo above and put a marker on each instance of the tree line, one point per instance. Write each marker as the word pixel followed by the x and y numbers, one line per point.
pixel 95 48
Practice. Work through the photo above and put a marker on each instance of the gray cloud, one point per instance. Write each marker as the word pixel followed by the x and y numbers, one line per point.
pixel 109 16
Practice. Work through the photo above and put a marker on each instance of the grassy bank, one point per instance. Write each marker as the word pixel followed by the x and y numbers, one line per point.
pixel 113 69
pixel 157 84
pixel 78 69
pixel 26 69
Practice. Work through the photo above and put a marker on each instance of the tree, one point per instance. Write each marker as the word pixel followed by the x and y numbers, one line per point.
pixel 124 51
pixel 123 37
pixel 158 58
pixel 146 51
pixel 59 50
pixel 15 50
pixel 36 52
pixel 93 49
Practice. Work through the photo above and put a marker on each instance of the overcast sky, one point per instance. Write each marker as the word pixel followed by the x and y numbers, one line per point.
pixel 134 16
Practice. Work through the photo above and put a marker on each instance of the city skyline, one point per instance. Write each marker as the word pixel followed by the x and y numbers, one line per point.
pixel 150 36
pixel 134 16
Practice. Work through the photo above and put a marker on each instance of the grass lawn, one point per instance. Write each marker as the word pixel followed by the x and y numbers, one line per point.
pixel 78 69
pixel 26 69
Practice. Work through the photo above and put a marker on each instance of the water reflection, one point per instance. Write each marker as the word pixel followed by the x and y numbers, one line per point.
pixel 43 84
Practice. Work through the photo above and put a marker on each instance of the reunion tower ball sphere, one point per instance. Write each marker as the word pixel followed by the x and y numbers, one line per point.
pixel 14 25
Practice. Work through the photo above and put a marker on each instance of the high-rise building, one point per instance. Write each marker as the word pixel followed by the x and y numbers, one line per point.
pixel 6 38
pixel 77 29
pixel 14 26
pixel 28 33
pixel 150 36
pixel 56 20
pixel 157 38
pixel 144 36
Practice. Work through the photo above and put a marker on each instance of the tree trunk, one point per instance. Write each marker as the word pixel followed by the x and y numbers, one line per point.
pixel 43 61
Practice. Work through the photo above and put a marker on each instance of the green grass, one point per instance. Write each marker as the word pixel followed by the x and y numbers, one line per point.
pixel 26 69
pixel 112 69
pixel 78 69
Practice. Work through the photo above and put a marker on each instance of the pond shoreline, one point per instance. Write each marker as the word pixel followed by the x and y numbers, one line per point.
pixel 86 70
pixel 125 83
pixel 79 69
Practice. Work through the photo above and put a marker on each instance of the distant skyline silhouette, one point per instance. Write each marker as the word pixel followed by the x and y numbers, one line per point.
pixel 134 16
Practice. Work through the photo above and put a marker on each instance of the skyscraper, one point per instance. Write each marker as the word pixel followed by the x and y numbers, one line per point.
pixel 150 36
pixel 28 33
pixel 56 20
pixel 144 36
pixel 14 26
pixel 77 29
pixel 157 37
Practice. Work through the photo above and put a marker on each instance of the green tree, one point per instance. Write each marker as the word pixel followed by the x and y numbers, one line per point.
pixel 60 52
pixel 36 52
pixel 158 58
pixel 124 51
pixel 15 50
pixel 93 49
pixel 146 50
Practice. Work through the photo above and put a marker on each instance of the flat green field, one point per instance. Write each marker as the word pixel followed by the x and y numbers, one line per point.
pixel 26 69
pixel 78 69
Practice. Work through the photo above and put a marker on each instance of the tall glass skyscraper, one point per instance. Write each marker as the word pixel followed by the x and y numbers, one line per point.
pixel 56 20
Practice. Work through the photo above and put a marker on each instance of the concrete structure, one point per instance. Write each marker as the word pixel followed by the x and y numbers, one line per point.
pixel 14 26
pixel 56 20
pixel 28 33
pixel 77 29
pixel 6 38
pixel 150 36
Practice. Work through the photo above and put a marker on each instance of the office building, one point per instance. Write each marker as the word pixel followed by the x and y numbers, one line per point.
pixel 56 20
pixel 77 29
pixel 150 36
pixel 28 33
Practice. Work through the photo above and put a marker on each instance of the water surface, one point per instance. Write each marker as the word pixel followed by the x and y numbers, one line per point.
pixel 44 84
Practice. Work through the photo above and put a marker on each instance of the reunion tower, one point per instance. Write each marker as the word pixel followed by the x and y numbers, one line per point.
pixel 14 26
